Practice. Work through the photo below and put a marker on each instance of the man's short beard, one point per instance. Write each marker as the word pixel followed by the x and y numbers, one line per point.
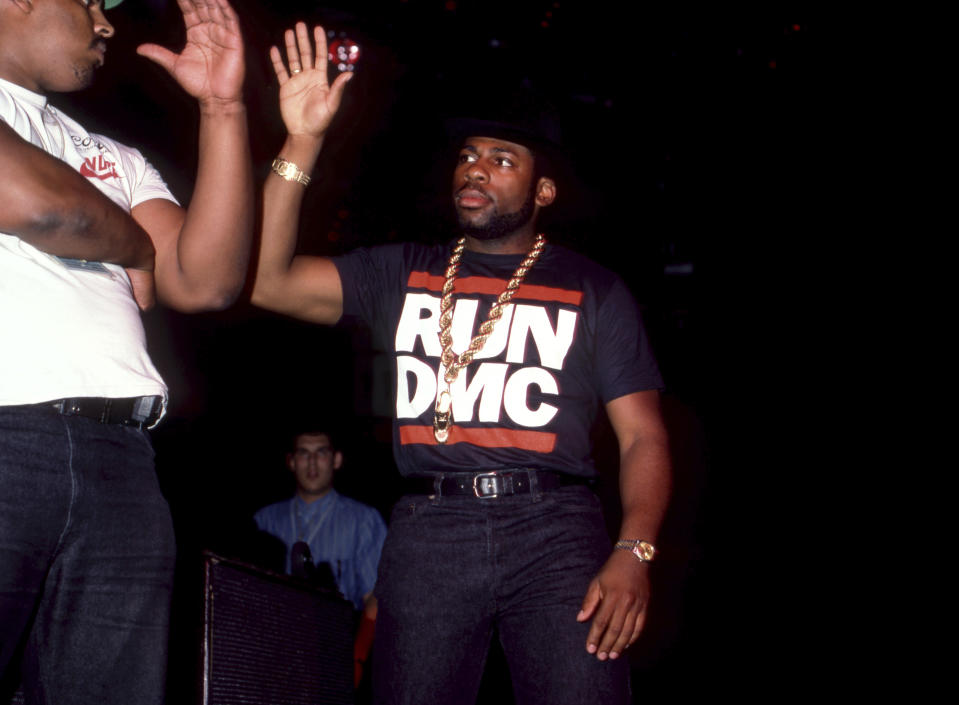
pixel 501 224
pixel 84 75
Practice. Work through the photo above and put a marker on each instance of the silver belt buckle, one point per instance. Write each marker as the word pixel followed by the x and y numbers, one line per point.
pixel 487 485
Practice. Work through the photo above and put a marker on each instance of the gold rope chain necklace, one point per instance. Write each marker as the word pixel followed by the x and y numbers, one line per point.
pixel 451 361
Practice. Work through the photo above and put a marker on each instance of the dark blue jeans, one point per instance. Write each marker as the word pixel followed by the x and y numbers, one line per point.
pixel 86 560
pixel 455 568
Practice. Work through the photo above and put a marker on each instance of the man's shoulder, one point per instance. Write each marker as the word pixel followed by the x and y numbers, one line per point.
pixel 394 253
pixel 273 510
pixel 564 256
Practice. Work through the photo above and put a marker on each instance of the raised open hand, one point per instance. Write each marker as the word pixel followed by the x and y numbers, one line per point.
pixel 210 67
pixel 307 100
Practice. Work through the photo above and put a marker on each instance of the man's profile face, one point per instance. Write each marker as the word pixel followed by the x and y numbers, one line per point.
pixel 313 462
pixel 65 47
pixel 493 187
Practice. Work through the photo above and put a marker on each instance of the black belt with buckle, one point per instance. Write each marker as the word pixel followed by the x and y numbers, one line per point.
pixel 490 485
pixel 131 411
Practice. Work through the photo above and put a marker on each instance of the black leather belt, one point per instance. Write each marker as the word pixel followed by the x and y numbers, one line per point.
pixel 131 411
pixel 490 485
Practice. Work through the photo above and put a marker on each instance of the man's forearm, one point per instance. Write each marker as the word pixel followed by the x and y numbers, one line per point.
pixel 282 201
pixel 645 470
pixel 90 231
pixel 645 473
pixel 207 265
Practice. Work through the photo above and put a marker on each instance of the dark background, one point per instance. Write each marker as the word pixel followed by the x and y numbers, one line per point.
pixel 672 121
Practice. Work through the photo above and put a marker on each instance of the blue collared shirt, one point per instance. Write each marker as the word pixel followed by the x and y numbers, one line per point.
pixel 340 531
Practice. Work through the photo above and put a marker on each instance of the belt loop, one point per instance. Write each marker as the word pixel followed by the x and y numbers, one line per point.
pixel 534 492
pixel 437 489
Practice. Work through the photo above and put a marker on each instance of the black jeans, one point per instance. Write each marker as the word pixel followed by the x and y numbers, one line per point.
pixel 86 560
pixel 453 568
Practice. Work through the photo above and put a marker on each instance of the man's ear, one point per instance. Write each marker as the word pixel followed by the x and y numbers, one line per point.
pixel 545 191
pixel 337 460
pixel 289 462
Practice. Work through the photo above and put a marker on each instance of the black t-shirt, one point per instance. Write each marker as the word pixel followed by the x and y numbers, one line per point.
pixel 570 338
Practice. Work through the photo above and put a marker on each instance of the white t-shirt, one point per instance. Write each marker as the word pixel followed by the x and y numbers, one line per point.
pixel 71 328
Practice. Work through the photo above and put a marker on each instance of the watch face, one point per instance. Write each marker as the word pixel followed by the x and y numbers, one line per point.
pixel 644 551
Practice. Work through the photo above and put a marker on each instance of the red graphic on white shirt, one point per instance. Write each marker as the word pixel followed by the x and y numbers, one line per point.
pixel 98 167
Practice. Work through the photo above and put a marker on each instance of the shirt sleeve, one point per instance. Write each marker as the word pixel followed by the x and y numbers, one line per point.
pixel 148 184
pixel 368 552
pixel 371 278
pixel 151 185
pixel 625 360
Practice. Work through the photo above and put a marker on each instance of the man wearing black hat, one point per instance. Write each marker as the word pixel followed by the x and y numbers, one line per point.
pixel 89 230
pixel 502 346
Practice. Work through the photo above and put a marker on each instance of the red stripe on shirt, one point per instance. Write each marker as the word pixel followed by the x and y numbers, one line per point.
pixel 539 441
pixel 494 287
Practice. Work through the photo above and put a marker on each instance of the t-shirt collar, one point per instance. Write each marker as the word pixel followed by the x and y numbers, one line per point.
pixel 37 99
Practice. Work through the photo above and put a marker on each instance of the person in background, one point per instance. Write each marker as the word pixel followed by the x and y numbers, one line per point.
pixel 340 532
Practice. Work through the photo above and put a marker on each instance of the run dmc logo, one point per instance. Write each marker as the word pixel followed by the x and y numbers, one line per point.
pixel 485 389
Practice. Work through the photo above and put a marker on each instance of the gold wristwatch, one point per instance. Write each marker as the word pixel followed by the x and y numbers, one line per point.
pixel 289 171
pixel 643 550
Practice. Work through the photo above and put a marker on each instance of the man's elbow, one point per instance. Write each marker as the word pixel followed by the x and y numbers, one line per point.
pixel 203 298
pixel 221 298
pixel 263 295
pixel 217 298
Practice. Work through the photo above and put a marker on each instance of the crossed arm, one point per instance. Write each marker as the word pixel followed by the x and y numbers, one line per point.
pixel 55 209
pixel 198 255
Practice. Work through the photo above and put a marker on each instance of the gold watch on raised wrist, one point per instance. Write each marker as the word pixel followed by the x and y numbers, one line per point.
pixel 289 171
pixel 643 550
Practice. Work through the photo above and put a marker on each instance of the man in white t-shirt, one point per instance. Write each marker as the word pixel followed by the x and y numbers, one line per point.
pixel 89 232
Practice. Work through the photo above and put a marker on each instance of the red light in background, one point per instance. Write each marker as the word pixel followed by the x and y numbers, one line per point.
pixel 344 53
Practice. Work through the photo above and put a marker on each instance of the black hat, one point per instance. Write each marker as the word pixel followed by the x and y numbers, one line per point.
pixel 523 117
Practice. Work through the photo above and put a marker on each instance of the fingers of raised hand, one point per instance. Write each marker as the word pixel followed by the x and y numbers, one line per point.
pixel 201 10
pixel 216 13
pixel 278 66
pixel 299 51
pixel 222 13
pixel 304 45
pixel 319 36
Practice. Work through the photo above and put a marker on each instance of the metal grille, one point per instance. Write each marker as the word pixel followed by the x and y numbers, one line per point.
pixel 270 640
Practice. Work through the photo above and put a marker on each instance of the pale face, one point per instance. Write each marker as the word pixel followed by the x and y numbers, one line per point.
pixel 313 463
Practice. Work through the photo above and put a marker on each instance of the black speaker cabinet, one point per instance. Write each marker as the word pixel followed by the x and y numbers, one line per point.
pixel 272 640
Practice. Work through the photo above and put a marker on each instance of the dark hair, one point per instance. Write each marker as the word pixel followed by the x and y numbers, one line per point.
pixel 312 431
pixel 542 165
